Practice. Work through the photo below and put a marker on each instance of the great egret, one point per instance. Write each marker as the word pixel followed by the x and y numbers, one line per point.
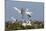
pixel 23 11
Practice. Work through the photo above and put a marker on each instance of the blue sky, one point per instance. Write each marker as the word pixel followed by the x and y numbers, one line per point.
pixel 37 9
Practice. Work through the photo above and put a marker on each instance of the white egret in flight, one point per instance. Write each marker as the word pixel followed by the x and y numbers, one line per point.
pixel 23 11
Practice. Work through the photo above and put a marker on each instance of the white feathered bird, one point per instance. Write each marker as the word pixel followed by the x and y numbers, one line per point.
pixel 24 11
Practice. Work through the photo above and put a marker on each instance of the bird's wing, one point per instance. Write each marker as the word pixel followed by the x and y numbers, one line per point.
pixel 13 18
pixel 29 13
pixel 18 10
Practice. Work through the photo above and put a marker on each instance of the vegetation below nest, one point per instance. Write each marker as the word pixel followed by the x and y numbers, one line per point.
pixel 19 26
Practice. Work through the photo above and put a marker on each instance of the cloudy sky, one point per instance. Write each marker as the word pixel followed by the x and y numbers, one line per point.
pixel 36 8
pixel 30 0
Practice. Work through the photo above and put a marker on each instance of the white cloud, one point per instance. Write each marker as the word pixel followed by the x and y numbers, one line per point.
pixel 30 0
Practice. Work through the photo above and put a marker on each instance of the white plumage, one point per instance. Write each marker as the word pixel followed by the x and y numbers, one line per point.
pixel 18 10
pixel 28 13
pixel 13 18
pixel 24 11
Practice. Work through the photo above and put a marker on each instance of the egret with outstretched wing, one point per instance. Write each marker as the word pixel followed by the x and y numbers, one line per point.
pixel 23 12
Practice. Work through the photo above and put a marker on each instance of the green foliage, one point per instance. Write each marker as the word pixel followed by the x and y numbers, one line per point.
pixel 19 26
pixel 15 26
